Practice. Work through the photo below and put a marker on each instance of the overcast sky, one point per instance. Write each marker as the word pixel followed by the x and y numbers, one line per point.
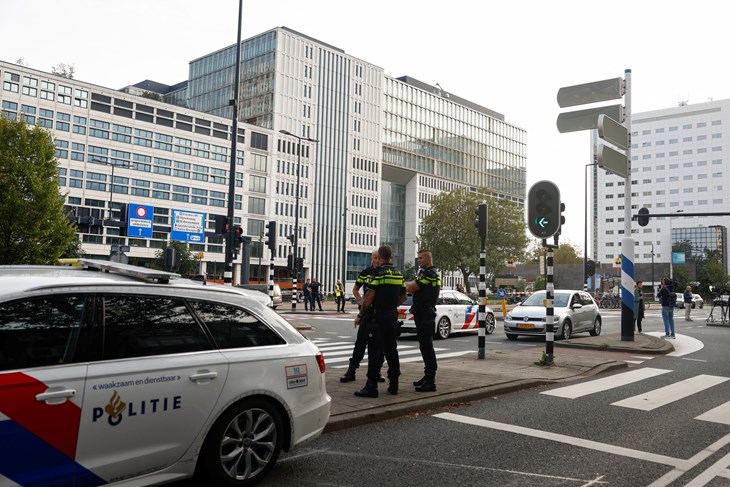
pixel 509 56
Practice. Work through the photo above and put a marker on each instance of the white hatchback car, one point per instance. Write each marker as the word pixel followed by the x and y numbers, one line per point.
pixel 131 376
pixel 455 312
pixel 574 312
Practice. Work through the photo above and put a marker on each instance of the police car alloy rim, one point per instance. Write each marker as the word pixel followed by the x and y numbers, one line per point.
pixel 245 443
pixel 443 328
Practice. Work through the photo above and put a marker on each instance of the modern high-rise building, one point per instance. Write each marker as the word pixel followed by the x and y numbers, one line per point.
pixel 680 164
pixel 379 149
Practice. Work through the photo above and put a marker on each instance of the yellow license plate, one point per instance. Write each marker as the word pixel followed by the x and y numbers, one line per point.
pixel 525 325
pixel 401 316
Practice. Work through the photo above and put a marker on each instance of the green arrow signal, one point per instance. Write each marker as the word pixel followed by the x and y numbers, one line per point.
pixel 542 221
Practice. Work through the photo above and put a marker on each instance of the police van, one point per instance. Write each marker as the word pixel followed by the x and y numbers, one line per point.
pixel 111 373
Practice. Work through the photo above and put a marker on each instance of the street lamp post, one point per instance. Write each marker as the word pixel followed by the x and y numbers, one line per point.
pixel 671 247
pixel 585 229
pixel 295 260
pixel 653 287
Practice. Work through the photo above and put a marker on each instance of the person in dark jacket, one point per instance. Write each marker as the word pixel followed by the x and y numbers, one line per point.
pixel 639 304
pixel 687 296
pixel 425 290
pixel 667 297
pixel 307 292
pixel 316 296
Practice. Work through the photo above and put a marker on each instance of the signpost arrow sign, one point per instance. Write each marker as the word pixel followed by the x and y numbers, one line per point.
pixel 587 119
pixel 612 131
pixel 613 160
pixel 607 89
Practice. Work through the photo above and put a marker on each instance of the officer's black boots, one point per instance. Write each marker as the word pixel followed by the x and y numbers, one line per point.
pixel 393 387
pixel 348 376
pixel 426 385
pixel 370 390
pixel 419 382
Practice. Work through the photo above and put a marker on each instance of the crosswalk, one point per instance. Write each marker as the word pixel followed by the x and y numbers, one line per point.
pixel 653 398
pixel 337 354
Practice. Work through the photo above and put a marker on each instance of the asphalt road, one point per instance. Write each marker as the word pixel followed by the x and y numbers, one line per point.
pixel 664 421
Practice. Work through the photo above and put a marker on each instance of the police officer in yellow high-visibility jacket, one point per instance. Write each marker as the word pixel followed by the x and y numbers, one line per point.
pixel 425 290
pixel 386 291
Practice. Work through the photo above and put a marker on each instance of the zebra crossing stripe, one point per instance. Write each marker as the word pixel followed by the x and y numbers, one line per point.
pixel 606 383
pixel 673 392
pixel 720 414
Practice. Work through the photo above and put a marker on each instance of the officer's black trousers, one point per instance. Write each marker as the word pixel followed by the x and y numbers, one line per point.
pixel 425 328
pixel 382 341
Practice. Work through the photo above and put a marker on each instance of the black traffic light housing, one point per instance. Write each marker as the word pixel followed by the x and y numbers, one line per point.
pixel 271 236
pixel 237 236
pixel 641 219
pixel 290 263
pixel 544 209
pixel 481 220
pixel 590 268
pixel 221 224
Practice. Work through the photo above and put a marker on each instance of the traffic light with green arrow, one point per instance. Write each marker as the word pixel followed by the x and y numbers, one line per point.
pixel 544 209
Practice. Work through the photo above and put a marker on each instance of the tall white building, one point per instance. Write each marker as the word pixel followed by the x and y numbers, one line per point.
pixel 680 164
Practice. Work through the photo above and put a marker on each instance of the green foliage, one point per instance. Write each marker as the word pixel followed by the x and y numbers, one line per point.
pixel 543 360
pixel 409 271
pixel 33 226
pixel 74 250
pixel 188 262
pixel 566 253
pixel 712 274
pixel 450 234
pixel 540 283
pixel 152 95
pixel 64 70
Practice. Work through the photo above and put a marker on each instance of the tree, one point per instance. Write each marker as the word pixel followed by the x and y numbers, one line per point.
pixel 64 70
pixel 449 232
pixel 33 225
pixel 188 263
pixel 74 250
pixel 566 253
pixel 152 95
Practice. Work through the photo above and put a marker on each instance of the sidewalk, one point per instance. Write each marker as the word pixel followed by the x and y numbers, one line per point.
pixel 466 378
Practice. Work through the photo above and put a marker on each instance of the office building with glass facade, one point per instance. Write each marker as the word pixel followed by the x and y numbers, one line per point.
pixel 680 165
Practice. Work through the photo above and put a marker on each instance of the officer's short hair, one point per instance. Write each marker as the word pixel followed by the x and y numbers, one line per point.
pixel 385 252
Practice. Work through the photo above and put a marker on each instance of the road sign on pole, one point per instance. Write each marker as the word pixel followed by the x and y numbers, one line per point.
pixel 613 161
pixel 612 131
pixel 607 89
pixel 587 119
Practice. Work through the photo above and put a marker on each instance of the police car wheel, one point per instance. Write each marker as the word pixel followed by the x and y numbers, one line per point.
pixel 443 328
pixel 243 445
pixel 489 321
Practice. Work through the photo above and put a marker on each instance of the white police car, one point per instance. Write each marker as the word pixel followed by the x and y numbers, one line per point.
pixel 107 378
pixel 455 312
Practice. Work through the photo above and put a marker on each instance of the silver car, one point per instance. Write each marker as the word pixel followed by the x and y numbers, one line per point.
pixel 574 311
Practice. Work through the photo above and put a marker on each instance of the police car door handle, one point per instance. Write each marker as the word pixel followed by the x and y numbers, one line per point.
pixel 203 377
pixel 55 396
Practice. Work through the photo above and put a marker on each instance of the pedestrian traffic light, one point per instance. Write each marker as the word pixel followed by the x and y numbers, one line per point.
pixel 643 218
pixel 562 217
pixel 544 209
pixel 271 236
pixel 481 221
pixel 290 263
pixel 221 224
pixel 237 236
pixel 590 268
pixel 300 265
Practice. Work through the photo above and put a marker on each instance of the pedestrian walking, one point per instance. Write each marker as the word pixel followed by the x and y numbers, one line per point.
pixel 340 296
pixel 687 296
pixel 307 293
pixel 425 290
pixel 638 304
pixel 386 292
pixel 667 298
pixel 316 289
pixel 361 339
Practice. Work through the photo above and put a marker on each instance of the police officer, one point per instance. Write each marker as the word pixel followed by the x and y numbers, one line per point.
pixel 361 340
pixel 425 290
pixel 386 292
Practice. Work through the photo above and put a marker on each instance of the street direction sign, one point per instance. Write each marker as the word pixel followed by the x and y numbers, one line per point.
pixel 613 161
pixel 139 224
pixel 607 89
pixel 612 131
pixel 587 119
pixel 188 226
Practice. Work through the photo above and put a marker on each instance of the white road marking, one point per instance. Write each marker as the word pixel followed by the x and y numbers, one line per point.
pixel 568 440
pixel 636 362
pixel 673 392
pixel 719 469
pixel 438 356
pixel 605 383
pixel 720 414
pixel 689 464
pixel 683 344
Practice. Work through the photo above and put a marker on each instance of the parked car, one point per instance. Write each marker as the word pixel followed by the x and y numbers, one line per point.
pixel 574 311
pixel 697 301
pixel 133 375
pixel 455 312
pixel 264 288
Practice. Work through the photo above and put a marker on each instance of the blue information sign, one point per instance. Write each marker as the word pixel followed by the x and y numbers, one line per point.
pixel 139 222
pixel 501 293
pixel 188 226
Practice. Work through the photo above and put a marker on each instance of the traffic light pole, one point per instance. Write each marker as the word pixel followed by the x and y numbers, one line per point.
pixel 549 305
pixel 627 243
pixel 482 340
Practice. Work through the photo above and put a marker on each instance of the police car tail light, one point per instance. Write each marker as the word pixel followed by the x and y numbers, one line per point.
pixel 320 361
